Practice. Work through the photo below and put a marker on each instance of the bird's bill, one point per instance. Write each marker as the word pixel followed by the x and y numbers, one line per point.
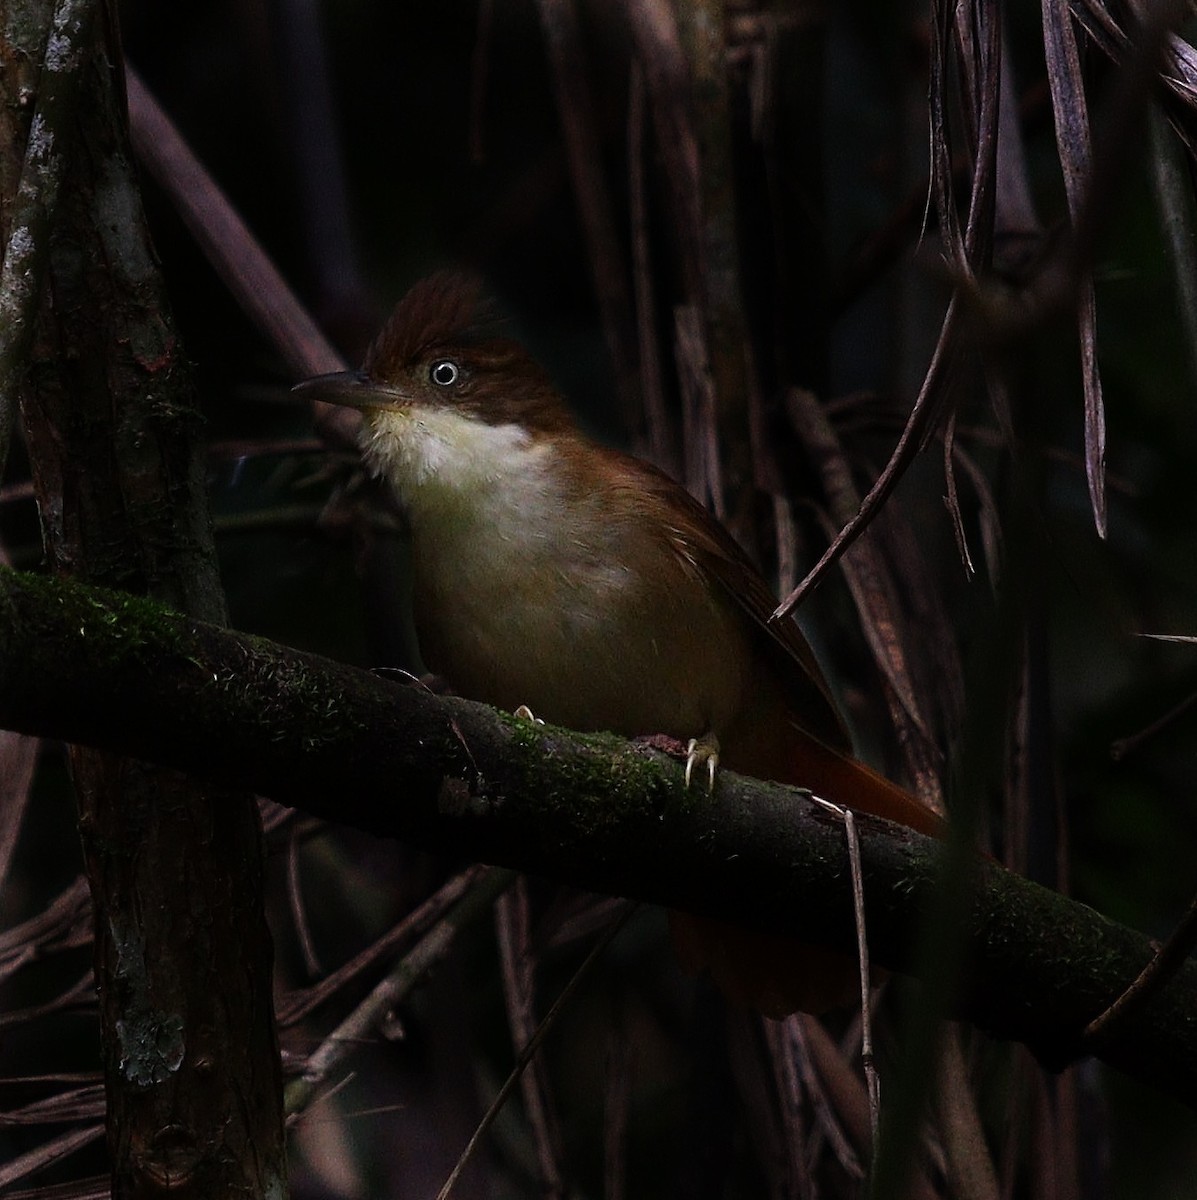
pixel 353 390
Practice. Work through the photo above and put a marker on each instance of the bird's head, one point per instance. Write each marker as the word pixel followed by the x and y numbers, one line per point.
pixel 443 350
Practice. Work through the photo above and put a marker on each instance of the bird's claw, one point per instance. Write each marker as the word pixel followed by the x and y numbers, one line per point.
pixel 699 751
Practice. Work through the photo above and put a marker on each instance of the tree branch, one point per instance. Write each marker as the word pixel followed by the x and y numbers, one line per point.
pixel 115 671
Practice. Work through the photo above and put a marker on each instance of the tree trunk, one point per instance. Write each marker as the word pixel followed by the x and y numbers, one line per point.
pixel 183 956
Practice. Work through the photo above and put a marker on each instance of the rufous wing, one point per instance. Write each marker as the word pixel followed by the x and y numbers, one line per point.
pixel 808 746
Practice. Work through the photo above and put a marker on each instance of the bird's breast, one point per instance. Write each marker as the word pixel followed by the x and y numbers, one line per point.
pixel 542 582
pixel 537 597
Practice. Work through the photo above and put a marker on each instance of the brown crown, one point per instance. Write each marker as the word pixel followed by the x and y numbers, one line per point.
pixel 449 314
pixel 445 311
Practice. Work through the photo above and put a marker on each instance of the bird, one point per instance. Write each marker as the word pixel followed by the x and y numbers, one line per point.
pixel 555 574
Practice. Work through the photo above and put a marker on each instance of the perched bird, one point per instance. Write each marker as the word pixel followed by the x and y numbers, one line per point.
pixel 555 573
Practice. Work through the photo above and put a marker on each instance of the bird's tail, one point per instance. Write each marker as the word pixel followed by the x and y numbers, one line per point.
pixel 846 781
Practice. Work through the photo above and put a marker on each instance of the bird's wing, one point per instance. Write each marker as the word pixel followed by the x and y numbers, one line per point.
pixel 698 538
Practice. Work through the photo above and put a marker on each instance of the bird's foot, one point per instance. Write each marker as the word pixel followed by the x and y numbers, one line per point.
pixel 696 752
pixel 700 751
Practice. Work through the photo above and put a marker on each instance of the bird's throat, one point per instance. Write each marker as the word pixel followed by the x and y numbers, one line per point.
pixel 437 458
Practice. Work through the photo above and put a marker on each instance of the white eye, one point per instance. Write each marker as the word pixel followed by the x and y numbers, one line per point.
pixel 444 372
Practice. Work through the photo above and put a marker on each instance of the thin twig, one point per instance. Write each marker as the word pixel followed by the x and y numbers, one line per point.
pixel 991 525
pixel 1128 745
pixel 1173 188
pixel 13 493
pixel 970 1169
pixel 550 1018
pixel 512 920
pixel 968 253
pixel 862 949
pixel 49 1153
pixel 224 238
pixel 653 26
pixel 239 260
pixel 917 429
pixel 64 924
pixel 703 471
pixel 952 499
pixel 303 930
pixel 321 191
pixel 362 1023
pixel 1149 48
pixel 787 1075
pixel 18 759
pixel 1073 145
pixel 702 29
pixel 80 995
pixel 84 1103
pixel 260 447
pixel 579 125
pixel 51 1077
pixel 1178 70
pixel 1167 960
pixel 830 1126
pixel 322 1101
pixel 862 952
pixel 296 1006
pixel 303 517
pixel 873 591
pixel 616 1097
pixel 577 919
pixel 1056 286
pixel 661 443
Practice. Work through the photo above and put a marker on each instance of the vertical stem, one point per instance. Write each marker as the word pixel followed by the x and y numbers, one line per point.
pixel 183 956
pixel 1174 196
pixel 703 26
pixel 559 20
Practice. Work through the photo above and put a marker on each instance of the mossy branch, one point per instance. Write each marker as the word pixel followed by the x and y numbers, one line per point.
pixel 105 669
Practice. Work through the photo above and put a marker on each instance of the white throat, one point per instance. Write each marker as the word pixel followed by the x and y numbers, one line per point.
pixel 443 462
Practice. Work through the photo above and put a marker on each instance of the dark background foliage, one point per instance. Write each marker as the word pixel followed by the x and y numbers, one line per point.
pixel 369 143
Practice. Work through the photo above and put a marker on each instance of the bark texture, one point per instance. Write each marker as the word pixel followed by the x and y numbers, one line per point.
pixel 183 958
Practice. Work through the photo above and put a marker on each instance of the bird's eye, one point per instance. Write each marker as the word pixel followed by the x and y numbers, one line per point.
pixel 444 373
